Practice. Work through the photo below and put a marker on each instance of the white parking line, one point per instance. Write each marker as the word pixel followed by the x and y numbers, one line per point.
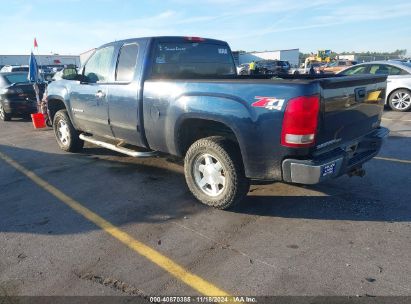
pixel 392 119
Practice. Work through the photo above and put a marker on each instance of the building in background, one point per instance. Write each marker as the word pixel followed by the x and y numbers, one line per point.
pixel 292 56
pixel 367 58
pixel 50 60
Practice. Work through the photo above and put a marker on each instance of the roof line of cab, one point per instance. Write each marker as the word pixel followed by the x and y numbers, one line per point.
pixel 164 39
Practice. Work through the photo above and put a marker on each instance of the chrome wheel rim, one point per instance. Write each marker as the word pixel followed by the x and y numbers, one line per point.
pixel 63 132
pixel 1 111
pixel 401 100
pixel 209 175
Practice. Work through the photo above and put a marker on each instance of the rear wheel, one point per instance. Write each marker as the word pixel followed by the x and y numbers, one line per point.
pixel 400 100
pixel 3 115
pixel 214 172
pixel 67 137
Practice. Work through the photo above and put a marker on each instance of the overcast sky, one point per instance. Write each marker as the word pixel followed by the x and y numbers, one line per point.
pixel 74 26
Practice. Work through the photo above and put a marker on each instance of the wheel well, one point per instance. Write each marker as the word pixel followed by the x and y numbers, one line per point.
pixel 54 106
pixel 194 129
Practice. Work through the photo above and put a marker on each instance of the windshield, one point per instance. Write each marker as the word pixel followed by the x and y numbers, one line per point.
pixel 188 59
pixel 16 78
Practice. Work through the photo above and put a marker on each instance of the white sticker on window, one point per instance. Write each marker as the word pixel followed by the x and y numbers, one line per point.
pixel 160 59
pixel 222 51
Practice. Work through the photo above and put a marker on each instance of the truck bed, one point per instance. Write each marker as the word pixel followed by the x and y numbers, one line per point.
pixel 344 115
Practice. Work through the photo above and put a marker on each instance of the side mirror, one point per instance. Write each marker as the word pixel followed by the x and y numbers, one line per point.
pixel 81 78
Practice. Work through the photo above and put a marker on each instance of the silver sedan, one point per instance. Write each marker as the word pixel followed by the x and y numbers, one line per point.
pixel 398 81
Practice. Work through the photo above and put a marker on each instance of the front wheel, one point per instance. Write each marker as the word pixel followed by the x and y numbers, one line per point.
pixel 67 137
pixel 214 172
pixel 3 115
pixel 400 100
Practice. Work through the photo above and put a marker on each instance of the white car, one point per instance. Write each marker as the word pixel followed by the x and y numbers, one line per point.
pixel 398 95
pixel 14 68
pixel 242 69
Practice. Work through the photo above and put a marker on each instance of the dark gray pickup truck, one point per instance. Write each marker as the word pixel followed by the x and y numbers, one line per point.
pixel 181 95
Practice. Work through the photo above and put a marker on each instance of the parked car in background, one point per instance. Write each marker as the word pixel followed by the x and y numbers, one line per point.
pixel 14 68
pixel 316 67
pixel 338 65
pixel 243 69
pixel 401 60
pixel 17 96
pixel 69 73
pixel 273 67
pixel 398 95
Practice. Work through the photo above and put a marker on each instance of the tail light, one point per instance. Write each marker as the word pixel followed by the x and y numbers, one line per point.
pixel 300 121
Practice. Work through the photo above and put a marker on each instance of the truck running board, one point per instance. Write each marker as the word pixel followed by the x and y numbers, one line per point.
pixel 123 150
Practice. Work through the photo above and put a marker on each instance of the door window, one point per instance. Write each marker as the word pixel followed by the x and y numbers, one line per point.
pixel 379 69
pixel 392 70
pixel 127 61
pixel 355 70
pixel 97 69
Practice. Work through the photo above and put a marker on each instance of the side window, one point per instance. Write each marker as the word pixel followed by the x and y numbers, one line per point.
pixel 392 70
pixel 97 69
pixel 355 70
pixel 379 69
pixel 127 61
pixel 404 72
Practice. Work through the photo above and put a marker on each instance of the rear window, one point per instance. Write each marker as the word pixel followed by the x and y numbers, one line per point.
pixel 16 78
pixel 19 69
pixel 190 59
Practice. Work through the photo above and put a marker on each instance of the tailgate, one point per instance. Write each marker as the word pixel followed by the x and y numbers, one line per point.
pixel 351 107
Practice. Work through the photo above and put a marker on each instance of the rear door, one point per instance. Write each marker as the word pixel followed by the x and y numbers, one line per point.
pixel 89 99
pixel 124 94
pixel 351 107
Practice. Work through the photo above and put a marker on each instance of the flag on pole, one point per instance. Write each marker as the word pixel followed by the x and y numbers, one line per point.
pixel 35 43
pixel 33 75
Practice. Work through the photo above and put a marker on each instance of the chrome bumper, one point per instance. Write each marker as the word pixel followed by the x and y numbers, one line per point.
pixel 313 171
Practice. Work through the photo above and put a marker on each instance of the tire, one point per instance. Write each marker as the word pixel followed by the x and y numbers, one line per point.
pixel 48 122
pixel 400 100
pixel 224 184
pixel 67 137
pixel 3 115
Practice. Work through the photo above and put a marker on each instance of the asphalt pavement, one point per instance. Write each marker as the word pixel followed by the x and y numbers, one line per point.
pixel 349 236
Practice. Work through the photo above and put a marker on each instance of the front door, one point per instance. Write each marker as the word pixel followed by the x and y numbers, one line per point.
pixel 89 103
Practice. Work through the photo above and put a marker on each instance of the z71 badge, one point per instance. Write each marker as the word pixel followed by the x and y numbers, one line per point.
pixel 270 103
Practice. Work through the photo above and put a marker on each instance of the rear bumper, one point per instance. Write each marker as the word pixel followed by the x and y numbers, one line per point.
pixel 339 162
pixel 19 107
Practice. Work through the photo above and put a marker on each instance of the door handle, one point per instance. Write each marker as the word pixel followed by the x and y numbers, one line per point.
pixel 100 94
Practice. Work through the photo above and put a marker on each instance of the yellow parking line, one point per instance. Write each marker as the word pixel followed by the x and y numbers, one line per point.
pixel 192 280
pixel 394 160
